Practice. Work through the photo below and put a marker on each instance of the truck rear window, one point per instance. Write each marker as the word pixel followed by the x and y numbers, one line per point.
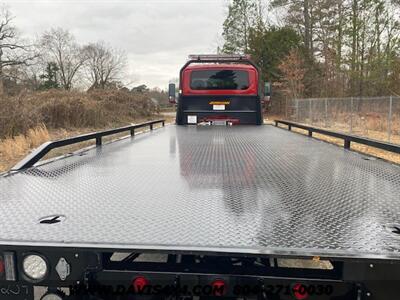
pixel 219 80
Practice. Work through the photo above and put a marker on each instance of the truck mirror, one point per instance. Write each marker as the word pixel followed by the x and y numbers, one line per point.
pixel 267 89
pixel 171 93
pixel 266 101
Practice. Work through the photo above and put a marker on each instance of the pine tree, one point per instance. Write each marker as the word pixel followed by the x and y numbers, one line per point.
pixel 268 47
pixel 242 16
pixel 50 77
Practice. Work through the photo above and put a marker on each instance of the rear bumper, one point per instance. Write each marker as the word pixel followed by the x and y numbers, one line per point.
pixel 247 117
pixel 106 274
pixel 245 109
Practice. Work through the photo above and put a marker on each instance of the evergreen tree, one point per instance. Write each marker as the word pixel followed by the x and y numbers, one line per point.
pixel 242 16
pixel 268 47
pixel 50 77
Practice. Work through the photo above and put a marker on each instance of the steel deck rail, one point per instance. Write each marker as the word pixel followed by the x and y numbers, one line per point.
pixel 346 137
pixel 45 148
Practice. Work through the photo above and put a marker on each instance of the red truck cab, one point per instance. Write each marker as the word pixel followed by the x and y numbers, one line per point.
pixel 219 90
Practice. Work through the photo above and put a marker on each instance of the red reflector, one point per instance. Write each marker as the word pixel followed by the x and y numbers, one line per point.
pixel 139 283
pixel 1 266
pixel 300 291
pixel 218 287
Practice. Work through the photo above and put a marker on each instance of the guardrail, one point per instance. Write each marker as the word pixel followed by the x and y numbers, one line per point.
pixel 45 148
pixel 348 139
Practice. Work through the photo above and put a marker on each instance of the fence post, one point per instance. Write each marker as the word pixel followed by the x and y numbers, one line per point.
pixel 286 108
pixel 346 144
pixel 310 113
pixel 297 110
pixel 390 118
pixel 351 115
pixel 326 112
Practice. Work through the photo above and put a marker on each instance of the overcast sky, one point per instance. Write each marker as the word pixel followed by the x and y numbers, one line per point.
pixel 157 35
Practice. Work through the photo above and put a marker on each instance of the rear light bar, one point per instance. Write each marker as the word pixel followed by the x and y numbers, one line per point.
pixel 219 57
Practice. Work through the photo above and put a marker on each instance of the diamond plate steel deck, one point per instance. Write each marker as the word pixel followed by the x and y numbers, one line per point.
pixel 227 189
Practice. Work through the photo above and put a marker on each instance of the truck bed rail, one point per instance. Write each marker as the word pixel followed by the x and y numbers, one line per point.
pixel 45 148
pixel 346 137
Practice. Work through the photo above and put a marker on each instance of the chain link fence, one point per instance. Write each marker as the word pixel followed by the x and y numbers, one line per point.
pixel 374 117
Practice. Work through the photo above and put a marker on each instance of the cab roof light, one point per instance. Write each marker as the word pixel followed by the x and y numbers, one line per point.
pixel 219 57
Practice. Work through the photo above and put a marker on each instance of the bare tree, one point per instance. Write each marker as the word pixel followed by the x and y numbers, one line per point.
pixel 292 74
pixel 103 64
pixel 59 46
pixel 12 51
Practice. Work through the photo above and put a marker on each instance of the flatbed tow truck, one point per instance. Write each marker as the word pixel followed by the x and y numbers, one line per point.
pixel 189 212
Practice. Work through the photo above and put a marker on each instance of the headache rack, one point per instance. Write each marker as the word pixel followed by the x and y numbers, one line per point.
pixel 220 58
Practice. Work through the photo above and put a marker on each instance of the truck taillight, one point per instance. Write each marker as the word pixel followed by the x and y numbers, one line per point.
pixel 300 291
pixel 218 287
pixel 139 284
pixel 1 267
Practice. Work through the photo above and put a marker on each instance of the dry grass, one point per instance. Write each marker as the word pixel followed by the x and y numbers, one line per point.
pixel 38 136
pixel 68 109
pixel 32 118
pixel 11 148
pixel 14 148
